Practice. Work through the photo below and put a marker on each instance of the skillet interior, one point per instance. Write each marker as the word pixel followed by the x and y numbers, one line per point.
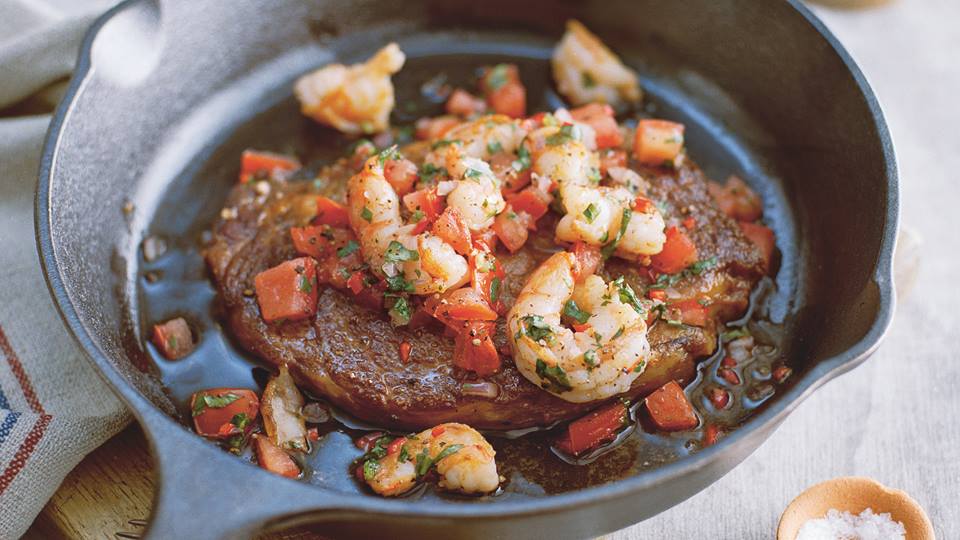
pixel 165 137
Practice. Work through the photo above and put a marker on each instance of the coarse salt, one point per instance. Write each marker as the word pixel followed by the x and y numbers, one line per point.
pixel 838 525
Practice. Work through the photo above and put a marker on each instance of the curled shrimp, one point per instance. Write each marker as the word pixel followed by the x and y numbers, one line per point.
pixel 353 99
pixel 599 360
pixel 389 246
pixel 586 71
pixel 463 459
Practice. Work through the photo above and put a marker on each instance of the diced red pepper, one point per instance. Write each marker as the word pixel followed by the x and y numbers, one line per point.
pixel 594 429
pixel 601 118
pixel 678 252
pixel 288 291
pixel 405 349
pixel 332 213
pixel 670 409
pixel 463 103
pixel 657 294
pixel 355 283
pixel 474 349
pixel 465 304
pixel 763 238
pixel 611 158
pixel 511 228
pixel 643 205
pixel 438 430
pixel 395 445
pixel 692 312
pixel 427 202
pixel 736 199
pixel 173 338
pixel 451 228
pixel 658 142
pixel 215 407
pixel 309 241
pixel 588 259
pixel 313 434
pixel 401 174
pixel 273 459
pixel 253 162
pixel 504 92
pixel 532 201
pixel 435 128
pixel 581 327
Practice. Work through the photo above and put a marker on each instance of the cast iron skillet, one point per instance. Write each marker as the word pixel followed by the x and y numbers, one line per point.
pixel 163 88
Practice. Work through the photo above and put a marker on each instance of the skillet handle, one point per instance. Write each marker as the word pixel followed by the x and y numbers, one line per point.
pixel 207 493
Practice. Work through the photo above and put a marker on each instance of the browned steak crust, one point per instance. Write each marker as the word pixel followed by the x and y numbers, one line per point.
pixel 349 354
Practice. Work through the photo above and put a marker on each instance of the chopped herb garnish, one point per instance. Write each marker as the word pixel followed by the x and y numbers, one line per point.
pixel 537 328
pixel 370 469
pixel 735 334
pixel 698 267
pixel 586 78
pixel 641 365
pixel 608 249
pixel 591 213
pixel 443 142
pixel 423 463
pixel 570 309
pixel 205 401
pixel 388 154
pixel 498 76
pixel 593 175
pixel 494 147
pixel 522 162
pixel 590 359
pixel 472 173
pixel 404 455
pixel 347 249
pixel 416 216
pixel 366 214
pixel 554 375
pixel 428 171
pixel 627 294
pixel 495 289
pixel 305 285
pixel 396 253
pixel 618 334
pixel 240 420
pixel 398 283
pixel 565 134
pixel 400 312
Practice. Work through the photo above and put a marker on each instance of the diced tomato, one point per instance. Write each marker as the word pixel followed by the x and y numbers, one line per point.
pixel 254 162
pixel 581 327
pixel 427 202
pixel 611 158
pixel 273 459
pixel 173 338
pixel 395 445
pixel 643 205
pixel 474 349
pixel 401 174
pixel 692 313
pixel 532 201
pixel 309 241
pixel 601 118
pixel 485 240
pixel 355 283
pixel 690 223
pixel 511 228
pixel 678 252
pixel 405 349
pixel 435 128
pixel 588 260
pixel 596 428
pixel 482 278
pixel 313 434
pixel 215 407
pixel 463 103
pixel 332 213
pixel 657 294
pixel 451 228
pixel 465 304
pixel 670 409
pixel 511 179
pixel 658 142
pixel 763 238
pixel 504 92
pixel 288 291
pixel 736 199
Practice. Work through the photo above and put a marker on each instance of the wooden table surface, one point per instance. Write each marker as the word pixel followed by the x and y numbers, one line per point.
pixel 893 419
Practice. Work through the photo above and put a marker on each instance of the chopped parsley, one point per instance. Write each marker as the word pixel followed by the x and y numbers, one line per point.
pixel 566 134
pixel 627 294
pixel 495 289
pixel 498 76
pixel 366 214
pixel 404 455
pixel 400 312
pixel 424 462
pixel 570 309
pixel 370 469
pixel 523 161
pixel 608 249
pixel 731 335
pixel 389 153
pixel 641 365
pixel 593 175
pixel 349 248
pixel 397 253
pixel 494 147
pixel 698 267
pixel 429 171
pixel 554 376
pixel 591 213
pixel 398 283
pixel 618 334
pixel 240 420
pixel 443 142
pixel 587 80
pixel 590 359
pixel 472 173
pixel 305 285
pixel 537 328
pixel 204 401
pixel 416 216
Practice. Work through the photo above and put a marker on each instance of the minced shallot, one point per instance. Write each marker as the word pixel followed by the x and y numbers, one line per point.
pixel 838 525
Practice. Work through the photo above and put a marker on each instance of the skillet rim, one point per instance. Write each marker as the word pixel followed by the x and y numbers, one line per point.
pixel 155 421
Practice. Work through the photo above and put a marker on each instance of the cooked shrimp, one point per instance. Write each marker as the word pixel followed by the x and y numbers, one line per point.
pixel 462 457
pixel 353 99
pixel 586 71
pixel 487 135
pixel 597 362
pixel 426 262
pixel 558 153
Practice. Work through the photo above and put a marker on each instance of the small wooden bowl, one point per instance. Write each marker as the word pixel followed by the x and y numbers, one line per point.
pixel 854 494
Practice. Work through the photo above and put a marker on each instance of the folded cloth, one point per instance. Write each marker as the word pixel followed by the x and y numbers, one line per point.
pixel 54 408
